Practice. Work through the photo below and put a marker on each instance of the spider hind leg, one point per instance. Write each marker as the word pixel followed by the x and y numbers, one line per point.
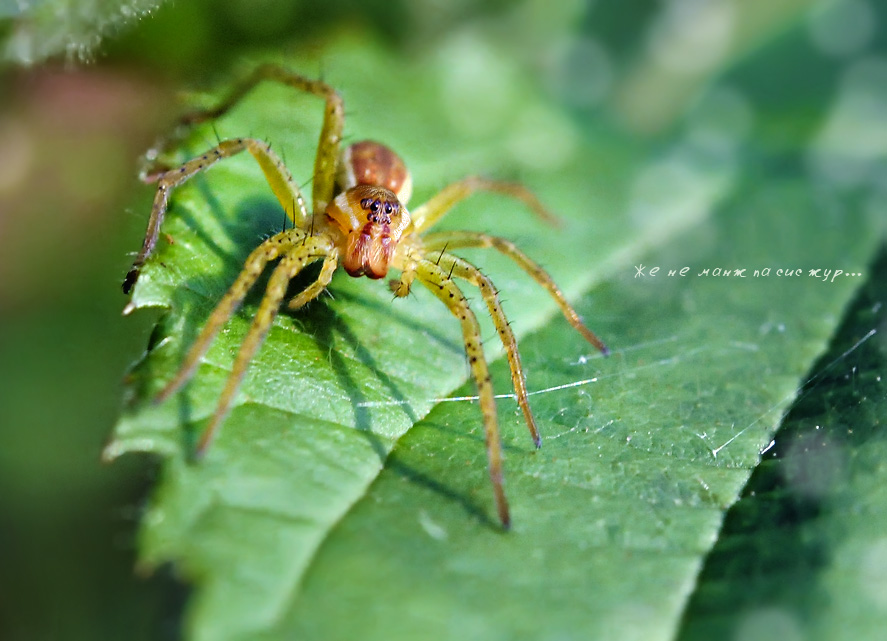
pixel 461 268
pixel 438 280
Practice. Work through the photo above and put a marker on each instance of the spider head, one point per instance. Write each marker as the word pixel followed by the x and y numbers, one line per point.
pixel 372 221
pixel 372 163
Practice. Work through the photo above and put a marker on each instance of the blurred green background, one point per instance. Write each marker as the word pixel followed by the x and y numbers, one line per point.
pixel 85 87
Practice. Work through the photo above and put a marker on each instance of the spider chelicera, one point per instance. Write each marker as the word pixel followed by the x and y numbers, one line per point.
pixel 358 219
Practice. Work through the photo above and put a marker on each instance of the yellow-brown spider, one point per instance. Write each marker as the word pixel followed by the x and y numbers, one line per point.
pixel 358 219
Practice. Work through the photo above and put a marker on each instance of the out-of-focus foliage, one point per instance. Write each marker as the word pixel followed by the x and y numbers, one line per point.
pixel 41 29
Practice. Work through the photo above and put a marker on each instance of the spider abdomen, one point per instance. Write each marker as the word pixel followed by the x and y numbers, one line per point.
pixel 371 163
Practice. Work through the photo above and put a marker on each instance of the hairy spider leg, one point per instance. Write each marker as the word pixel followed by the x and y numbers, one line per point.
pixel 296 259
pixel 461 268
pixel 269 250
pixel 278 176
pixel 440 204
pixel 327 158
pixel 437 279
pixel 466 239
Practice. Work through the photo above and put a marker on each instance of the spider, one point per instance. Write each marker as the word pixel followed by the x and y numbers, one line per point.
pixel 358 219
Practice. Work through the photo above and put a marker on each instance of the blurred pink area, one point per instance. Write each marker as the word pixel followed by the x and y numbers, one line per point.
pixel 71 143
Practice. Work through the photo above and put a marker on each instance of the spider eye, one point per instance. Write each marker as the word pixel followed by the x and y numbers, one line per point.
pixel 375 205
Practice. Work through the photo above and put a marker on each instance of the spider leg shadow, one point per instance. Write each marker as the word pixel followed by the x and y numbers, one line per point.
pixel 394 461
pixel 415 475
pixel 326 323
pixel 254 219
pixel 323 324
pixel 191 429
pixel 390 310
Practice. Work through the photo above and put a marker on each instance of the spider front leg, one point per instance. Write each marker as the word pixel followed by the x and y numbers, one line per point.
pixel 278 176
pixel 439 241
pixel 255 264
pixel 297 251
pixel 436 279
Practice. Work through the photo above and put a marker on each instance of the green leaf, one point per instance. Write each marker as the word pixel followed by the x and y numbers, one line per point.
pixel 803 553
pixel 617 511
pixel 347 497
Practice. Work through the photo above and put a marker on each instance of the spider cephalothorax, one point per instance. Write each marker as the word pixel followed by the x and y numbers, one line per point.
pixel 358 219
pixel 372 220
